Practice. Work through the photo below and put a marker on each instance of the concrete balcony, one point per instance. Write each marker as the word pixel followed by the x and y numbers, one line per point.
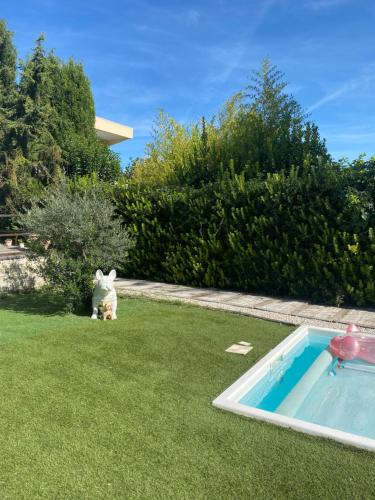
pixel 111 132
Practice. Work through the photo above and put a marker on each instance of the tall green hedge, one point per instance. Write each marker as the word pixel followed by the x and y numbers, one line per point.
pixel 309 234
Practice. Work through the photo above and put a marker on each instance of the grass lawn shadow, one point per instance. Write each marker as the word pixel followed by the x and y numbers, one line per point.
pixel 40 303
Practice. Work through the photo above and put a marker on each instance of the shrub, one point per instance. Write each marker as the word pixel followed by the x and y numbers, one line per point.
pixel 75 232
pixel 85 156
pixel 305 234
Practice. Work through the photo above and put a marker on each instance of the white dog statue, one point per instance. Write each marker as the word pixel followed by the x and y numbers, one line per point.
pixel 104 291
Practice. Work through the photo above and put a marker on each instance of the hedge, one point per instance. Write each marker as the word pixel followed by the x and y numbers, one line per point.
pixel 309 234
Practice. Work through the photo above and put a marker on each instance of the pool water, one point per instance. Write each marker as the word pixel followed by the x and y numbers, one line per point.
pixel 345 401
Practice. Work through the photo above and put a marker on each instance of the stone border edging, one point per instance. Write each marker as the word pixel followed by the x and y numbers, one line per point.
pixel 290 319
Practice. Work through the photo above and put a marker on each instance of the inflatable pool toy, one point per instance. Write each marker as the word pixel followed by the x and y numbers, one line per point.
pixel 349 347
pixel 352 328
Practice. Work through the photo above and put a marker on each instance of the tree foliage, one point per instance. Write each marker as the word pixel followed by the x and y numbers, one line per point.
pixel 37 116
pixel 87 155
pixel 74 232
pixel 270 129
pixel 8 100
pixel 72 100
pixel 47 118
pixel 171 143
pixel 259 130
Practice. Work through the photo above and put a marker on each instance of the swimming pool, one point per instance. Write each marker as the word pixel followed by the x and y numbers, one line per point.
pixel 294 386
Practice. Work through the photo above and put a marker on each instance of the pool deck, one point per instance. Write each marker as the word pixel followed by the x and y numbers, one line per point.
pixel 294 312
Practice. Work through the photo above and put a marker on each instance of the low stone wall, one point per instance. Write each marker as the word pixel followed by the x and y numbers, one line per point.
pixel 15 275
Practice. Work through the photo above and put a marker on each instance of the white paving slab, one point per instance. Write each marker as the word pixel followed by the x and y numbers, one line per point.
pixel 286 306
pixel 226 297
pixel 246 300
pixel 321 312
pixel 366 318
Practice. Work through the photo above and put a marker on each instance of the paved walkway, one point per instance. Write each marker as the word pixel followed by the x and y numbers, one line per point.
pixel 294 312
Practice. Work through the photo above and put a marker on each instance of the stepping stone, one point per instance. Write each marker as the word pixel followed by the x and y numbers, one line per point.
pixel 239 349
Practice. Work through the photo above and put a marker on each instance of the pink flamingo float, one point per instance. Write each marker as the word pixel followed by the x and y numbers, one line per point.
pixel 349 346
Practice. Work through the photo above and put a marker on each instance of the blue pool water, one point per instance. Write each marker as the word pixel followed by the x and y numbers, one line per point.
pixel 270 391
pixel 345 401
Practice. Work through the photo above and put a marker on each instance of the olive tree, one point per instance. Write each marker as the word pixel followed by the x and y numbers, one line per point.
pixel 72 233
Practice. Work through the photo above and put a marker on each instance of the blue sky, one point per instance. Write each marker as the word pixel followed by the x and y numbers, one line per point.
pixel 188 58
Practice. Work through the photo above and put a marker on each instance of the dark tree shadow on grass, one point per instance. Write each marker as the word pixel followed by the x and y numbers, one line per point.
pixel 40 303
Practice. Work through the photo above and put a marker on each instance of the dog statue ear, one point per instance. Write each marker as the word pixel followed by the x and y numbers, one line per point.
pixel 112 274
pixel 99 274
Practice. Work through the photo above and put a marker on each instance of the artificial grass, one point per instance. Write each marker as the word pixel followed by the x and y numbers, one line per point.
pixel 123 409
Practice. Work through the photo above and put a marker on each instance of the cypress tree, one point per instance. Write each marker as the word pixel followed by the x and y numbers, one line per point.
pixel 74 131
pixel 72 100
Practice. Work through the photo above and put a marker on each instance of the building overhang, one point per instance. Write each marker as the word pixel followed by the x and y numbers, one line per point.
pixel 111 132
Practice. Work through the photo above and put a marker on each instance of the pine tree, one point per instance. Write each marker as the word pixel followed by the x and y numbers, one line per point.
pixel 270 101
pixel 37 116
pixel 8 56
pixel 8 98
pixel 284 136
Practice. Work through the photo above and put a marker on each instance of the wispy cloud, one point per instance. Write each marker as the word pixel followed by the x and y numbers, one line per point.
pixel 347 87
pixel 143 128
pixel 229 57
pixel 192 16
pixel 324 4
pixel 225 61
pixel 353 137
pixel 118 89
pixel 189 17
pixel 332 96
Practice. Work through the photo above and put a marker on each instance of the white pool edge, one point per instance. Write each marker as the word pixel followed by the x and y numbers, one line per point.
pixel 229 399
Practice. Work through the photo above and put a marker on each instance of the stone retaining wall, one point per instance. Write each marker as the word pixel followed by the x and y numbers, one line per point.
pixel 16 276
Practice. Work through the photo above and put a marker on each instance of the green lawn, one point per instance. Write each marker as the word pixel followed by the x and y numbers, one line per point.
pixel 123 409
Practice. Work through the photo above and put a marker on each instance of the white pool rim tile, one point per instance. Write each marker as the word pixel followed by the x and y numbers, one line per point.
pixel 229 399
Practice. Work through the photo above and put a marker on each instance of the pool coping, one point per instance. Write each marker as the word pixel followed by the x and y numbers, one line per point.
pixel 228 399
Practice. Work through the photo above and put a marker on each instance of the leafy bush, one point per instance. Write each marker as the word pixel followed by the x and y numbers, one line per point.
pixel 302 235
pixel 84 156
pixel 75 232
